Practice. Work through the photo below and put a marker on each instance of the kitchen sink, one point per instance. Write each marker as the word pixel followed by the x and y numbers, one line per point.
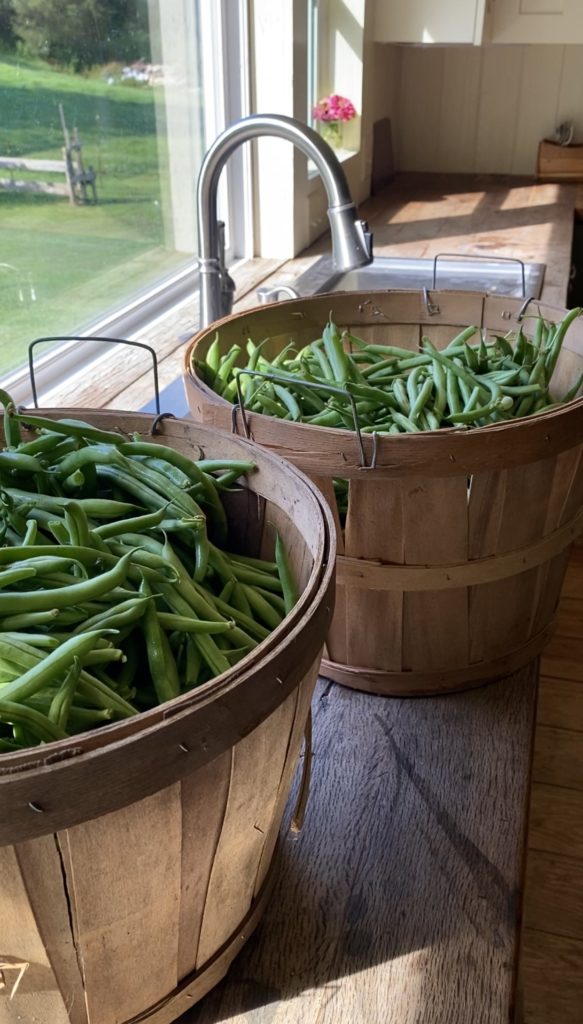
pixel 498 276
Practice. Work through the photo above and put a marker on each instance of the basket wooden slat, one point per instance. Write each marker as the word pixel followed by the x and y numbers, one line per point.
pixel 137 859
pixel 452 557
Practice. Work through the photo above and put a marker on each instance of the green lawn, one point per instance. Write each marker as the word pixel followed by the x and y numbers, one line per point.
pixel 62 265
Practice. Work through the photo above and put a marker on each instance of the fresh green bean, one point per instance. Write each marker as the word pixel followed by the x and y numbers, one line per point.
pixel 35 722
pixel 161 661
pixel 51 667
pixel 41 600
pixel 72 428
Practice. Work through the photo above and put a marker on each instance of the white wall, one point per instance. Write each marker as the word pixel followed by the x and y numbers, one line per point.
pixel 481 109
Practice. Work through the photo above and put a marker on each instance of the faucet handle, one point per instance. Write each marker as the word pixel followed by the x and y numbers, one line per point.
pixel 227 285
pixel 221 244
pixel 228 288
pixel 368 237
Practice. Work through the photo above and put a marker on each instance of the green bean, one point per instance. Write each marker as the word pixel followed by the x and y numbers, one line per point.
pixel 228 589
pixel 60 707
pixel 256 577
pixel 13 637
pixel 213 355
pixel 471 356
pixel 276 602
pixel 325 367
pixel 28 619
pixel 472 401
pixel 120 615
pixel 239 600
pixel 77 524
pixel 525 406
pixel 31 532
pixel 18 462
pixel 572 393
pixel 400 393
pixel 405 423
pixel 440 382
pixel 378 368
pixel 558 338
pixel 10 576
pixel 81 719
pixel 40 600
pixel 496 404
pixel 262 608
pixel 246 623
pixel 256 563
pixel 191 471
pixel 41 445
pixel 452 366
pixel 190 624
pixel 132 525
pixel 461 338
pixel 11 428
pixel 160 658
pixel 72 428
pixel 422 399
pixel 227 364
pixel 50 667
pixel 98 693
pixel 100 508
pixel 34 721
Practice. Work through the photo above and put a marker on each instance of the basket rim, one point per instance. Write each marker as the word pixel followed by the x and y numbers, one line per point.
pixel 444 452
pixel 215 702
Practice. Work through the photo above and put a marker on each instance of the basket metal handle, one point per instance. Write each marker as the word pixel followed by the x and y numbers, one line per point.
pixel 107 341
pixel 481 256
pixel 332 389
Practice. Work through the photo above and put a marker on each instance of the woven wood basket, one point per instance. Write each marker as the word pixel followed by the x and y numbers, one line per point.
pixel 451 563
pixel 136 860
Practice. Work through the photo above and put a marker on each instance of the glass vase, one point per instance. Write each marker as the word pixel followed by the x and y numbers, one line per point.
pixel 331 132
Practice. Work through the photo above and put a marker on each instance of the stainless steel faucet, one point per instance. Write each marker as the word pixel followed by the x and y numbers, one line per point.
pixel 351 241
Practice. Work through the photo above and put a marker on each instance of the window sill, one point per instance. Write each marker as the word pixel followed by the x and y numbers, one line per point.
pixel 343 155
pixel 122 378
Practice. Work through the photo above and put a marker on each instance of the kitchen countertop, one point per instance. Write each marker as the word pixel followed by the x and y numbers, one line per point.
pixel 421 215
pixel 417 215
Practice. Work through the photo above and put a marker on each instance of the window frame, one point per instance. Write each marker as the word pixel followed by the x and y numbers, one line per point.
pixel 225 36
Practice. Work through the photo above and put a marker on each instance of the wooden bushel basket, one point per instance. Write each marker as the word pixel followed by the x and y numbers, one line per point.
pixel 451 563
pixel 135 860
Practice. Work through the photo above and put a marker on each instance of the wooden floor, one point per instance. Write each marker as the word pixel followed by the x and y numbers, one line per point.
pixel 397 906
pixel 552 952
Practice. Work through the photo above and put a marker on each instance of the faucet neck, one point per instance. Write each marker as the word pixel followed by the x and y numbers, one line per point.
pixel 348 239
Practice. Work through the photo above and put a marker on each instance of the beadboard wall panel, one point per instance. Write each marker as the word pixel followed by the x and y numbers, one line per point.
pixel 482 109
pixel 500 78
pixel 460 94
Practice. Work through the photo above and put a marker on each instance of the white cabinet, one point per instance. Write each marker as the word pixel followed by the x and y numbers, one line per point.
pixel 536 21
pixel 428 21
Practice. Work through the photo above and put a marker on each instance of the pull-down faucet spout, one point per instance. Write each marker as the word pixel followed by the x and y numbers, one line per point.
pixel 351 243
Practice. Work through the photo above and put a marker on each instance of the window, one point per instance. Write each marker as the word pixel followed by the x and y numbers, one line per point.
pixel 130 93
pixel 335 54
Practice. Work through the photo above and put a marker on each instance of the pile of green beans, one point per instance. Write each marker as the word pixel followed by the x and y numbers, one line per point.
pixel 341 381
pixel 117 587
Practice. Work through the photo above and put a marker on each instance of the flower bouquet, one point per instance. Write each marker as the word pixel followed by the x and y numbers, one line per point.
pixel 331 113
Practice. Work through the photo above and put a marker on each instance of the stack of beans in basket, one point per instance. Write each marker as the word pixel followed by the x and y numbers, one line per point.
pixel 448 445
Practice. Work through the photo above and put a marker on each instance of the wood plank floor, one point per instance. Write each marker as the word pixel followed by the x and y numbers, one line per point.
pixel 552 945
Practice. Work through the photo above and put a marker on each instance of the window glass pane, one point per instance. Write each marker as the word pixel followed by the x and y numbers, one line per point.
pixel 121 84
pixel 335 54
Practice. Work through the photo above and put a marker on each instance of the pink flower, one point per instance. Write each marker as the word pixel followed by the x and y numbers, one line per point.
pixel 334 108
